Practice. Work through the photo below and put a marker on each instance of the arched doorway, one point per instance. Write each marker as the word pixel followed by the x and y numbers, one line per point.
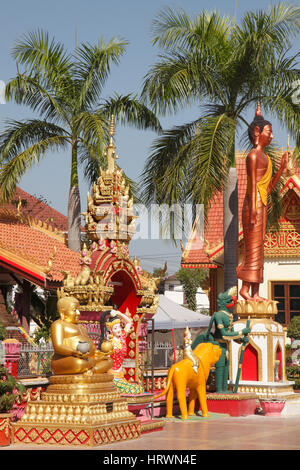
pixel 250 364
pixel 278 364
pixel 125 293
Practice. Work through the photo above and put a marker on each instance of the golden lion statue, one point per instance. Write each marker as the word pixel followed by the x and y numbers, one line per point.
pixel 182 375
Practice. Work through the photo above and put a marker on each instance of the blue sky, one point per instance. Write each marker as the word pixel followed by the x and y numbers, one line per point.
pixel 131 20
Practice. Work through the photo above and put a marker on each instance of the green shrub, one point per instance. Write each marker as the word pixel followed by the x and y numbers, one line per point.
pixel 293 330
pixel 42 332
pixel 10 390
pixel 297 384
pixel 2 331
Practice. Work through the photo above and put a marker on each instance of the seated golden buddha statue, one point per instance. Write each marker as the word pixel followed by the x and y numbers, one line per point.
pixel 74 351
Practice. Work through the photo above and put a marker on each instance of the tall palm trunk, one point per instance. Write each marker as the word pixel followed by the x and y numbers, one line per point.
pixel 230 228
pixel 74 208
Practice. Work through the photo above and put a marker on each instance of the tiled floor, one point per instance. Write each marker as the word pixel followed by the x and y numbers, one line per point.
pixel 224 433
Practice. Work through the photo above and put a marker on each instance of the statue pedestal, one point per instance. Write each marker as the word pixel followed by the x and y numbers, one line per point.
pixel 234 404
pixel 77 410
pixel 263 369
pixel 140 406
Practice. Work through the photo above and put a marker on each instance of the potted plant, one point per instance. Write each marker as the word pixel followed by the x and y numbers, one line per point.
pixel 272 406
pixel 10 390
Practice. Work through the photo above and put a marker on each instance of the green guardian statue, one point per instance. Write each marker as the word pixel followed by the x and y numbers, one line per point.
pixel 223 333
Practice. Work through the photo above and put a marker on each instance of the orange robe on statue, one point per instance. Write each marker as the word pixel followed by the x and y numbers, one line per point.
pixel 252 267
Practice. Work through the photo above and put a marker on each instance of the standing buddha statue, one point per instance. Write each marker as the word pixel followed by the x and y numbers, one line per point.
pixel 260 182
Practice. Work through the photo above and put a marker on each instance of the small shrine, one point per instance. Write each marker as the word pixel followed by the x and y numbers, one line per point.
pixel 263 369
pixel 108 277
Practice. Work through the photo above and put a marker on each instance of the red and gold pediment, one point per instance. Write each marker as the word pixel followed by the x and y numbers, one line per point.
pixel 292 208
pixel 106 271
pixel 285 242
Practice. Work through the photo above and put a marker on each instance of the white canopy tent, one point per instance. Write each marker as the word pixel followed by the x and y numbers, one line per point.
pixel 170 316
pixel 174 317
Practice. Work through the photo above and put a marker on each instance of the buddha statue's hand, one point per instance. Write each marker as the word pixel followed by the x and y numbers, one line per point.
pixel 101 355
pixel 284 161
pixel 80 355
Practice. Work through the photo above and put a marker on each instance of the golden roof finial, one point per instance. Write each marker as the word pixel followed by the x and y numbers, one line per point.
pixel 111 155
pixel 49 266
pixel 112 126
pixel 19 207
pixel 290 165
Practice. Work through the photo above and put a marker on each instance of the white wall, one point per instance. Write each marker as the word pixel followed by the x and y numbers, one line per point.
pixel 278 269
pixel 177 296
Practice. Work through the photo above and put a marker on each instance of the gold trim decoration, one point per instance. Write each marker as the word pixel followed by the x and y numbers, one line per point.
pixel 77 410
pixel 5 423
pixel 233 396
pixel 138 378
pixel 50 261
pixel 146 427
pixel 256 309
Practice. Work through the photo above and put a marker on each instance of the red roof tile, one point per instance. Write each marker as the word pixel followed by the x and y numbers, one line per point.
pixel 28 238
pixel 29 249
pixel 35 208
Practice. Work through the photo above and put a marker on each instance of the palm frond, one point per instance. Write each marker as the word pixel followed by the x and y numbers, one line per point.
pixel 45 57
pixel 287 111
pixel 213 150
pixel 15 168
pixel 39 54
pixel 265 33
pixel 27 90
pixel 92 127
pixel 174 29
pixel 18 135
pixel 93 65
pixel 165 157
pixel 179 80
pixel 91 157
pixel 131 111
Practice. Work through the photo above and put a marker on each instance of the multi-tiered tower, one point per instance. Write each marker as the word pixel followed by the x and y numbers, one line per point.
pixel 108 276
pixel 87 408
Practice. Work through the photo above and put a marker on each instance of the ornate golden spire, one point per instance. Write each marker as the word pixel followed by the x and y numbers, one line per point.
pixel 109 214
pixel 112 126
pixel 111 149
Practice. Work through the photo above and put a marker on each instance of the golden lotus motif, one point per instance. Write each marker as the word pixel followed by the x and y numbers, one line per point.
pixel 256 309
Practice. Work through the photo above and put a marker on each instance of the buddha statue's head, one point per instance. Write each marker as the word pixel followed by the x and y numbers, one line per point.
pixel 68 309
pixel 260 130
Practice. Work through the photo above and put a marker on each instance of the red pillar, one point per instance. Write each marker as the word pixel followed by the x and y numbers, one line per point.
pixel 12 356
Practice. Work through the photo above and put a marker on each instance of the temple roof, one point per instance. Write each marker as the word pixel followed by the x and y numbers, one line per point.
pixel 32 242
pixel 199 253
pixel 35 208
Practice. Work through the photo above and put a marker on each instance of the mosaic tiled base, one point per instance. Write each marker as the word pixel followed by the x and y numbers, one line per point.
pixel 77 410
pixel 88 436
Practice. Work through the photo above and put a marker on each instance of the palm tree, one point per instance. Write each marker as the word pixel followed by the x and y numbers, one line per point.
pixel 191 280
pixel 225 68
pixel 64 90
